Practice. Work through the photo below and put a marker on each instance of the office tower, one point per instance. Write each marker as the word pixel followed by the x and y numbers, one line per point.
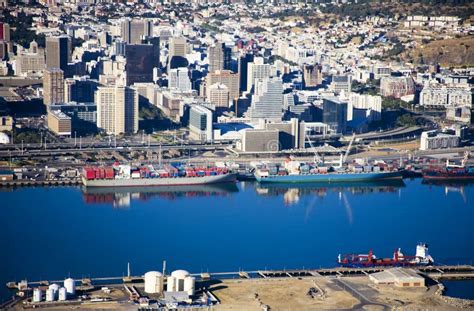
pixel 155 41
pixel 218 95
pixel 226 77
pixel 53 86
pixel 312 76
pixel 219 57
pixel 119 47
pixel 58 52
pixel 134 31
pixel 80 89
pixel 177 47
pixel 200 123
pixel 335 114
pixel 139 63
pixel 267 103
pixel 258 70
pixel 341 84
pixel 243 70
pixel 117 109
pixel 179 79
pixel 4 32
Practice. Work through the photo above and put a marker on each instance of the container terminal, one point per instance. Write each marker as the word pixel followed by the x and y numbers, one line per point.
pixel 374 288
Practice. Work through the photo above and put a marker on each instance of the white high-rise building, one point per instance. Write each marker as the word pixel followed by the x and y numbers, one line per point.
pixel 442 95
pixel 179 79
pixel 200 123
pixel 258 70
pixel 117 109
pixel 267 103
pixel 372 103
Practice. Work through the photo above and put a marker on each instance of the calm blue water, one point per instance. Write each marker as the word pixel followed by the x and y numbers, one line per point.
pixel 51 233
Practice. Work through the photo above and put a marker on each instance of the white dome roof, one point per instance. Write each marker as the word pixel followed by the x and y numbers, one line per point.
pixel 180 274
pixel 4 139
pixel 153 273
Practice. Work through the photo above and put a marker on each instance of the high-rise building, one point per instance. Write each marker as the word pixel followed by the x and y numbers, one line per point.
pixel 139 63
pixel 200 123
pixel 4 32
pixel 53 86
pixel 243 70
pixel 30 61
pixel 258 70
pixel 179 79
pixel 267 103
pixel 372 104
pixel 80 89
pixel 177 47
pixel 218 95
pixel 58 52
pixel 117 109
pixel 219 57
pixel 341 84
pixel 226 77
pixel 335 113
pixel 133 31
pixel 312 76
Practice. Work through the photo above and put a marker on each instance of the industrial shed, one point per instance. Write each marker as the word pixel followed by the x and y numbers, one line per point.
pixel 400 277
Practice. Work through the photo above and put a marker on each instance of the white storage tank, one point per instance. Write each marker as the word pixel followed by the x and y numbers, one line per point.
pixel 153 282
pixel 180 275
pixel 70 286
pixel 37 295
pixel 62 294
pixel 189 285
pixel 50 294
pixel 55 288
pixel 171 284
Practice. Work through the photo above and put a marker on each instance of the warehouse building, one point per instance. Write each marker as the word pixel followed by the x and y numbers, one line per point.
pixel 400 277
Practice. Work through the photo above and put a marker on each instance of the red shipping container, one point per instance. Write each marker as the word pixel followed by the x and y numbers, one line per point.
pixel 109 173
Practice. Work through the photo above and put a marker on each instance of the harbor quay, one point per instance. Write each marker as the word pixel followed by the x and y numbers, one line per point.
pixel 342 288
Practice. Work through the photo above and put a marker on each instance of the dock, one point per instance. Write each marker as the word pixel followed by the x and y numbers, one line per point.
pixel 434 272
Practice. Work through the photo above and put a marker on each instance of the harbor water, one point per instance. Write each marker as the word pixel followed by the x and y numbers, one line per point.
pixel 56 232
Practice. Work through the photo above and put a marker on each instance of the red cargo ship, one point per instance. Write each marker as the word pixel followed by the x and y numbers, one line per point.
pixel 422 258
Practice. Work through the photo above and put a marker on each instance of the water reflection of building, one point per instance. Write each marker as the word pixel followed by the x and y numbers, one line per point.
pixel 451 186
pixel 122 197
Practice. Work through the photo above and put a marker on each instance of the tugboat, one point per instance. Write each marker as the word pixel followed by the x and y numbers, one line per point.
pixel 422 258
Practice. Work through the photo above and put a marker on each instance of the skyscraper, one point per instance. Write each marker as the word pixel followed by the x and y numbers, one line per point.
pixel 267 103
pixel 177 47
pixel 219 57
pixel 258 70
pixel 133 31
pixel 179 79
pixel 312 76
pixel 58 52
pixel 4 32
pixel 139 65
pixel 335 113
pixel 53 86
pixel 243 70
pixel 117 109
pixel 218 95
pixel 226 77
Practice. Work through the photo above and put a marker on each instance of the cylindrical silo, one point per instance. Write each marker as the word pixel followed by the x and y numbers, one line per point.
pixel 180 275
pixel 153 282
pixel 189 285
pixel 171 284
pixel 70 286
pixel 55 288
pixel 37 295
pixel 50 294
pixel 62 296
